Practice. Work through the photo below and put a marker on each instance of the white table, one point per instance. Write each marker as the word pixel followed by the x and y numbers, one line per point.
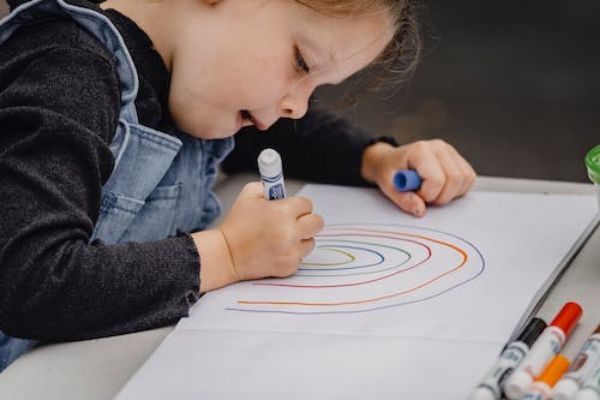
pixel 97 369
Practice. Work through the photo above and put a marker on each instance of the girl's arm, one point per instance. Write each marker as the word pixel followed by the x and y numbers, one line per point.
pixel 58 112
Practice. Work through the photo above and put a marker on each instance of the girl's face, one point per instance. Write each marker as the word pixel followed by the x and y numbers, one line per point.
pixel 251 62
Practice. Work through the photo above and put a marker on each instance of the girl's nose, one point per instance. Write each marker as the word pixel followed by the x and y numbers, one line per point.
pixel 295 104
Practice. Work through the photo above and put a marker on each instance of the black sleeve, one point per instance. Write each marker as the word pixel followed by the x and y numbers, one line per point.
pixel 319 147
pixel 58 112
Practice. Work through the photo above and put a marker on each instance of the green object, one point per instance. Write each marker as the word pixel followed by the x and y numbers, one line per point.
pixel 592 162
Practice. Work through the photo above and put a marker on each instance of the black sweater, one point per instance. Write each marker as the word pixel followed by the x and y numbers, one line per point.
pixel 59 103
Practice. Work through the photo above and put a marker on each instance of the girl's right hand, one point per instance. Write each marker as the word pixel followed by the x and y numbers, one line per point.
pixel 268 238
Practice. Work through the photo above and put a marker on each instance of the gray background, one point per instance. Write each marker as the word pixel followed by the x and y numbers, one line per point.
pixel 512 84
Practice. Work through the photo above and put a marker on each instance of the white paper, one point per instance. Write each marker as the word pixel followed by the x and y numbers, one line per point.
pixel 386 305
pixel 233 365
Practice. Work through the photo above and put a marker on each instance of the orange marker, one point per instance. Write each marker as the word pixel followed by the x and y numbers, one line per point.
pixel 541 389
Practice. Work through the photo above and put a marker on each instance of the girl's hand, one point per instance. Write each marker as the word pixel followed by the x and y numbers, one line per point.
pixel 445 173
pixel 259 239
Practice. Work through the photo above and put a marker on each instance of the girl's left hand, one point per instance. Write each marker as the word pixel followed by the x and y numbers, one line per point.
pixel 446 175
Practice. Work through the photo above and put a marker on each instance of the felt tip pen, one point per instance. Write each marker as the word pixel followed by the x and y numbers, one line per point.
pixel 581 369
pixel 591 387
pixel 512 355
pixel 407 180
pixel 271 174
pixel 542 387
pixel 548 345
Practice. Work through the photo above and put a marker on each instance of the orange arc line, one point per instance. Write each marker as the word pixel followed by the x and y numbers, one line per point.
pixel 289 303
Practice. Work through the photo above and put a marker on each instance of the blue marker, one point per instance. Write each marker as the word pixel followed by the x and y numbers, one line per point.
pixel 407 180
pixel 271 174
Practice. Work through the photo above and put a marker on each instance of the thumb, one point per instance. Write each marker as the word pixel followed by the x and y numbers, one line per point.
pixel 252 189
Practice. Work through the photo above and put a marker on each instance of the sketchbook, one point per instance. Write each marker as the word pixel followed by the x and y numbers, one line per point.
pixel 386 305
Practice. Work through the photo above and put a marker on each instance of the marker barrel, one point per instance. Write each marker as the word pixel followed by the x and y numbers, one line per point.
pixel 538 391
pixel 271 174
pixel 582 368
pixel 407 180
pixel 548 345
pixel 591 387
pixel 587 394
pixel 541 389
pixel 510 358
pixel 490 387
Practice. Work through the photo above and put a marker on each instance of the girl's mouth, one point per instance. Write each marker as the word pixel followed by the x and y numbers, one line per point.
pixel 248 117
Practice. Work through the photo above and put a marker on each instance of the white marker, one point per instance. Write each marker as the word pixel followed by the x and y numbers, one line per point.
pixel 271 174
pixel 510 358
pixel 544 349
pixel 582 368
pixel 591 387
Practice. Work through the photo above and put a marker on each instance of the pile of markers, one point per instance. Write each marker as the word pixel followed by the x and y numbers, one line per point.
pixel 532 368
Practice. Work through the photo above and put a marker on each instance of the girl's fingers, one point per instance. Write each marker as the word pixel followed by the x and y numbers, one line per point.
pixel 453 176
pixel 429 168
pixel 306 246
pixel 297 206
pixel 408 202
pixel 468 172
pixel 309 225
pixel 465 169
pixel 445 174
pixel 253 189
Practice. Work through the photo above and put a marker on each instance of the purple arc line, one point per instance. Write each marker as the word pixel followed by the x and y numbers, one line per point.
pixel 400 304
pixel 365 282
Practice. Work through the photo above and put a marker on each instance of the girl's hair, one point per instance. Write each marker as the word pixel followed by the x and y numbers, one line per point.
pixel 402 55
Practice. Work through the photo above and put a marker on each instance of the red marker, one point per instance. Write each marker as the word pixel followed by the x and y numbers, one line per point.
pixel 543 350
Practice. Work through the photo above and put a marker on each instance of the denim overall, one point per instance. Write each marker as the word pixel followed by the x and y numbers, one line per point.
pixel 161 184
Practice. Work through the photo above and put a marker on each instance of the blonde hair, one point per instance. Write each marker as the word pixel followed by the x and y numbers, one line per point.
pixel 403 53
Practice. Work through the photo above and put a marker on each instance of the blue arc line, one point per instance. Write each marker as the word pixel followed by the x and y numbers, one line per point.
pixel 378 254
pixel 368 309
pixel 433 296
pixel 406 253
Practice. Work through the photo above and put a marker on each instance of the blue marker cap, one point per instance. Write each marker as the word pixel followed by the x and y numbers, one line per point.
pixel 407 180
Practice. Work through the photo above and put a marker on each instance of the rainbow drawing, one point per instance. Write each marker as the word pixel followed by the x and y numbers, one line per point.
pixel 367 267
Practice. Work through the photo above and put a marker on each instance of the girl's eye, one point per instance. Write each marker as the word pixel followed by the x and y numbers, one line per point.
pixel 301 64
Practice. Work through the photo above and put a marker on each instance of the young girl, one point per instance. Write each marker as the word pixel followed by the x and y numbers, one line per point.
pixel 113 119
